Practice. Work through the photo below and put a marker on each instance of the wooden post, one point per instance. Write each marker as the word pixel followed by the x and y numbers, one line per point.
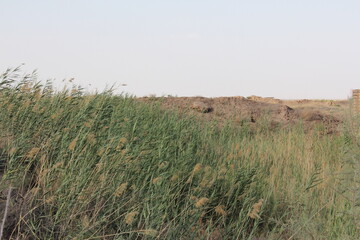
pixel 356 101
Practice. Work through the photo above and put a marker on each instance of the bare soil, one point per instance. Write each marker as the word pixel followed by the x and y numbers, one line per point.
pixel 256 109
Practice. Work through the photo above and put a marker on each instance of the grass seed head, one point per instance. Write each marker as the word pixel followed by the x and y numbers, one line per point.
pixel 121 189
pixel 163 165
pixel 54 116
pixel 201 202
pixel 50 200
pixel 38 95
pixel 91 138
pixel 122 140
pixel 254 214
pixel 85 221
pixel 156 180
pixel 32 152
pixel 73 144
pixel 102 178
pixel 129 218
pixel 26 103
pixel 12 151
pixel 58 164
pixel 101 152
pixel 174 178
pixel 197 168
pixel 10 107
pixel 99 166
pixel 220 210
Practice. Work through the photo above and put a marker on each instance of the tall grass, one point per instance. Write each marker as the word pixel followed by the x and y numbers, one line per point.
pixel 108 167
pixel 350 175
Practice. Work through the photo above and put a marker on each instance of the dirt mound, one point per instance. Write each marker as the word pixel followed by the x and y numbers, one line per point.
pixel 286 112
pixel 316 116
pixel 254 109
pixel 264 99
pixel 201 106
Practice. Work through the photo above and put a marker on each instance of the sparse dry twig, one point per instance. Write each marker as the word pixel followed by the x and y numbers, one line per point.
pixel 5 212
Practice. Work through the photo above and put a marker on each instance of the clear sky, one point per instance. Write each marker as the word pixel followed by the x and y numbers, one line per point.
pixel 286 49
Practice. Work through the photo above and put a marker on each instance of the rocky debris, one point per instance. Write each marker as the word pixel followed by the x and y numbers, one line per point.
pixel 285 112
pixel 201 106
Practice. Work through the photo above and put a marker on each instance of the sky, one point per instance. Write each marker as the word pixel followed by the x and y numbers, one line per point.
pixel 288 49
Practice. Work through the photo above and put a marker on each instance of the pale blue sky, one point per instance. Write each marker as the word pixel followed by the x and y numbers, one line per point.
pixel 285 49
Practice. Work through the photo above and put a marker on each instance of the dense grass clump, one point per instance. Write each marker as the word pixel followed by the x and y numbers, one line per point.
pixel 104 166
